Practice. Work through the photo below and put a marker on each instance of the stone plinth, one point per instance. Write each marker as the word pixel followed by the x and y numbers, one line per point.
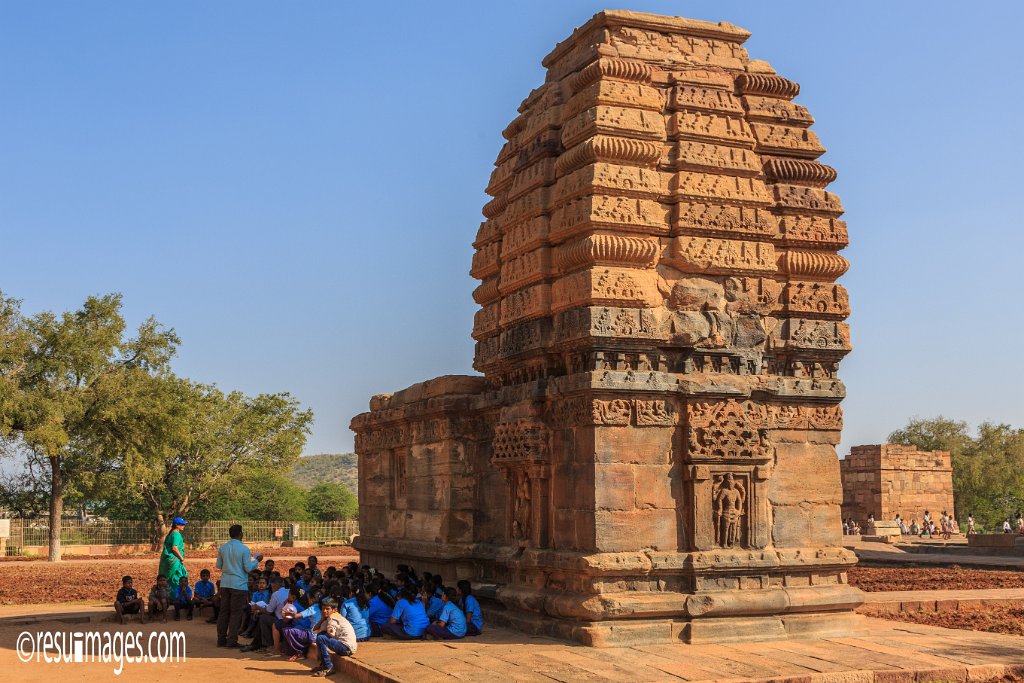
pixel 885 531
pixel 650 453
pixel 889 479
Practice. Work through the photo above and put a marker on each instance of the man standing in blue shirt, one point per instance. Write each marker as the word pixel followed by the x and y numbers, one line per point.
pixel 235 561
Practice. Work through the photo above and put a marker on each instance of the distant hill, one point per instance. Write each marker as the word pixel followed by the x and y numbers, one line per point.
pixel 340 468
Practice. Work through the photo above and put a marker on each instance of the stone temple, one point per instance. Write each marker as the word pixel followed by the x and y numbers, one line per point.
pixel 649 454
pixel 885 480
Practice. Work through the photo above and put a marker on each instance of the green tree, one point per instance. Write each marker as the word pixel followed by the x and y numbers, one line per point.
pixel 189 443
pixel 67 380
pixel 329 502
pixel 15 343
pixel 262 494
pixel 988 470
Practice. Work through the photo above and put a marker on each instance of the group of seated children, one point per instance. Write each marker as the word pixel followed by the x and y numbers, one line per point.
pixel 183 598
pixel 332 611
pixel 335 610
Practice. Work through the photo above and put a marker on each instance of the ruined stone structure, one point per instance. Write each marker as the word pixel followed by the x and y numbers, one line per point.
pixel 650 453
pixel 888 479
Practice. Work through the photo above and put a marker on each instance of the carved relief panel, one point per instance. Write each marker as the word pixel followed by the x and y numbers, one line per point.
pixel 729 455
pixel 521 451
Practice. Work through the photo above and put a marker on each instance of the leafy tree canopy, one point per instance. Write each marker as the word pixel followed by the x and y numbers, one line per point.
pixel 988 469
pixel 329 502
pixel 65 383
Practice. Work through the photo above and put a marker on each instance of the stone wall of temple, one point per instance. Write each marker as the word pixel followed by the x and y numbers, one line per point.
pixel 650 453
pixel 888 479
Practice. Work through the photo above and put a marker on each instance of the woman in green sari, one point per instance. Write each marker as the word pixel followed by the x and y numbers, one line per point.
pixel 172 558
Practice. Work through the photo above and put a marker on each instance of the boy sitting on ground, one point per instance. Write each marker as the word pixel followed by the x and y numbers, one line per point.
pixel 205 592
pixel 333 634
pixel 128 601
pixel 182 598
pixel 159 599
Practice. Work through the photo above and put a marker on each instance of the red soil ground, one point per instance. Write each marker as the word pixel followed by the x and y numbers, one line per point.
pixel 269 551
pixel 78 580
pixel 938 578
pixel 991 618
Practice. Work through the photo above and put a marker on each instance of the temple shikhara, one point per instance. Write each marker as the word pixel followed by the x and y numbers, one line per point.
pixel 649 454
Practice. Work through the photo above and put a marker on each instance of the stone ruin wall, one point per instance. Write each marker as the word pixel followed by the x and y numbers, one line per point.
pixel 650 454
pixel 889 479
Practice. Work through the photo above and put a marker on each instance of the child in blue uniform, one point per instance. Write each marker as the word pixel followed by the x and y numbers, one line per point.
pixel 451 622
pixel 204 592
pixel 474 620
pixel 381 607
pixel 350 609
pixel 432 603
pixel 182 599
pixel 409 620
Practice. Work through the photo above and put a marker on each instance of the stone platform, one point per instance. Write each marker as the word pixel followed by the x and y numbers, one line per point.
pixel 885 554
pixel 892 652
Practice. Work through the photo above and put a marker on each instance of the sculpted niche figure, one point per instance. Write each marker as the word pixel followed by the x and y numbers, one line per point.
pixel 521 516
pixel 729 502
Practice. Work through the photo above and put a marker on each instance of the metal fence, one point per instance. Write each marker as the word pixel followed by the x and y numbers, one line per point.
pixel 30 532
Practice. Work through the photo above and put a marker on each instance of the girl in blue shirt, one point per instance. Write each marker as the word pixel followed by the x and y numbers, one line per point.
pixel 364 603
pixel 409 620
pixel 469 605
pixel 349 609
pixel 381 607
pixel 431 602
pixel 451 622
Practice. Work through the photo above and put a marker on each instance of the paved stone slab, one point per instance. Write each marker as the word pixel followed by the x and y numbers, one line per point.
pixel 892 653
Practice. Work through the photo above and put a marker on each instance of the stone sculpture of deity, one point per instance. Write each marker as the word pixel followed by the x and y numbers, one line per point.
pixel 521 508
pixel 728 502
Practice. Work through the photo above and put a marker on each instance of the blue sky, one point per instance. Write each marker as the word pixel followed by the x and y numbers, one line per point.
pixel 294 187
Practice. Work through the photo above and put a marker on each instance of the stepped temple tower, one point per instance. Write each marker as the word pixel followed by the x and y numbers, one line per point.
pixel 649 454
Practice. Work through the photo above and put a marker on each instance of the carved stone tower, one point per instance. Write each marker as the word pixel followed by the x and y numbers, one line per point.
pixel 650 455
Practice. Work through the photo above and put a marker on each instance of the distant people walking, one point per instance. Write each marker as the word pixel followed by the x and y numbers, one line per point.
pixel 1007 529
pixel 172 557
pixel 235 561
pixel 1020 523
pixel 970 525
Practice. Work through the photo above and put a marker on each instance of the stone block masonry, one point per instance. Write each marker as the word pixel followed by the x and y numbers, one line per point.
pixel 649 454
pixel 889 479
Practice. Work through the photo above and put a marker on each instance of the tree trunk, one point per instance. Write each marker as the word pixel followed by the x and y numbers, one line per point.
pixel 159 530
pixel 56 507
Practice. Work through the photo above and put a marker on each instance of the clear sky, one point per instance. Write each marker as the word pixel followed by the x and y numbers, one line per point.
pixel 294 187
